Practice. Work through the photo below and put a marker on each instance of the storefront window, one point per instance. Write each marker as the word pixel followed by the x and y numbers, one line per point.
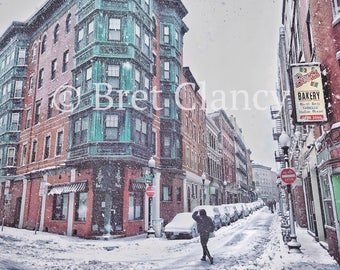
pixel 327 201
pixel 81 206
pixel 60 203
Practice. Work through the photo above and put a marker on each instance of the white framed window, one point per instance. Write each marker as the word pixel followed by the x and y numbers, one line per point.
pixel 166 34
pixel 166 70
pixel 21 57
pixel 11 156
pixel 115 29
pixel 113 76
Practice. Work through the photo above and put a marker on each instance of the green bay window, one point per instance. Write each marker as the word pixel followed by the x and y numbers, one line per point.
pixel 113 76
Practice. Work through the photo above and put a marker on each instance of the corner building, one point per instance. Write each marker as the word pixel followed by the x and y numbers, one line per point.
pixel 98 102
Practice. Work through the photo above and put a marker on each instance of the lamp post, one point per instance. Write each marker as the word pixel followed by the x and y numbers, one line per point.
pixel 203 182
pixel 293 245
pixel 151 165
pixel 279 186
pixel 225 191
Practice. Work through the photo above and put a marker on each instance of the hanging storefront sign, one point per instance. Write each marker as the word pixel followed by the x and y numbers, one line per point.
pixel 308 93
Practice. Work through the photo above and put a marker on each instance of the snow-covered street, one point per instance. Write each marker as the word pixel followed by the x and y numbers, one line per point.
pixel 251 243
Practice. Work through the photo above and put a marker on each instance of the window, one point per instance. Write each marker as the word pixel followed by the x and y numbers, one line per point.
pixel 53 68
pixel 166 146
pixel 88 79
pixel 43 44
pixel 34 151
pixel 146 84
pixel 80 130
pixel 111 127
pixel 56 34
pixel 113 72
pixel 50 107
pixel 59 145
pixel 15 121
pixel 47 147
pixel 11 156
pixel 153 142
pixel 81 206
pixel 336 7
pixel 90 32
pixel 77 82
pixel 137 35
pixel 166 108
pixel 60 204
pixel 167 193
pixel 37 113
pixel 166 70
pixel 30 85
pixel 41 77
pixel 135 205
pixel 146 48
pixel 34 52
pixel 22 57
pixel 18 88
pixel 137 79
pixel 28 118
pixel 179 194
pixel 141 132
pixel 166 34
pixel 65 61
pixel 147 5
pixel 327 200
pixel 177 39
pixel 23 154
pixel 80 42
pixel 68 23
pixel 114 29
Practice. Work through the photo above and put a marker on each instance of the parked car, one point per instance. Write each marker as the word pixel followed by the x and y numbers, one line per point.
pixel 213 212
pixel 239 209
pixel 225 215
pixel 246 210
pixel 232 212
pixel 181 226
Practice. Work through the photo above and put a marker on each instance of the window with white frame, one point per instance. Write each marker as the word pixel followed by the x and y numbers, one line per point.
pixel 80 130
pixel 18 88
pixel 41 77
pixel 53 69
pixel 59 144
pixel 166 108
pixel 137 35
pixel 11 156
pixel 115 29
pixel 47 147
pixel 34 151
pixel 81 206
pixel 90 32
pixel 135 205
pixel 167 146
pixel 56 34
pixel 43 44
pixel 88 79
pixel 113 76
pixel 166 73
pixel 111 127
pixel 166 34
pixel 166 193
pixel 28 118
pixel 141 132
pixel 68 23
pixel 80 39
pixel 23 155
pixel 146 48
pixel 21 57
pixel 137 79
pixel 65 60
pixel 15 121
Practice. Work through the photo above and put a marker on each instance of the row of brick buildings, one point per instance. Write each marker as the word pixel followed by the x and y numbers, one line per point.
pixel 309 40
pixel 90 91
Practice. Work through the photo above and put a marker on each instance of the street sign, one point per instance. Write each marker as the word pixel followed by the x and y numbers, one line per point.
pixel 150 191
pixel 288 175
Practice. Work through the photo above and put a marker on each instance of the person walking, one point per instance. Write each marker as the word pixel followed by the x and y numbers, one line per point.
pixel 205 226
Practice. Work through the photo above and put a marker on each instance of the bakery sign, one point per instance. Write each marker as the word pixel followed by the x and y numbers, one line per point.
pixel 308 93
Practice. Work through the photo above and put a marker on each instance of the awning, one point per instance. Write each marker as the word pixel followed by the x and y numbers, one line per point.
pixel 68 188
pixel 136 186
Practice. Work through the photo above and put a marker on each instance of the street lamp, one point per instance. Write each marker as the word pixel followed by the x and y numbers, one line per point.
pixel 151 165
pixel 225 183
pixel 293 245
pixel 203 181
pixel 279 186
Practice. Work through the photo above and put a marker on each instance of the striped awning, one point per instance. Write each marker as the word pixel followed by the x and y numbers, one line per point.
pixel 136 187
pixel 68 188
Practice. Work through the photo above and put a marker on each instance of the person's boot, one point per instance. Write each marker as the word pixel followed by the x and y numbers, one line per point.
pixel 211 260
pixel 203 258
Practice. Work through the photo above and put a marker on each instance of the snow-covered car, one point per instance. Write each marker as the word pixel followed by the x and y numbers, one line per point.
pixel 232 212
pixel 213 212
pixel 181 226
pixel 239 209
pixel 225 214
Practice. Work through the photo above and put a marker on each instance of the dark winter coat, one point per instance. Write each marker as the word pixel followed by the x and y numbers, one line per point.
pixel 204 223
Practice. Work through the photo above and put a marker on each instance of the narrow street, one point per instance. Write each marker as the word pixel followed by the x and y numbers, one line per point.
pixel 250 243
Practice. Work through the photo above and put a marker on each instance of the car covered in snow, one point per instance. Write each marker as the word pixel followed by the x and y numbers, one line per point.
pixel 181 226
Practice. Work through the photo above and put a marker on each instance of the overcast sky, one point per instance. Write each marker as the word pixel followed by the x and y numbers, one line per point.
pixel 231 49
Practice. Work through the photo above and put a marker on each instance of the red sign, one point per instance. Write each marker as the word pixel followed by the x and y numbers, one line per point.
pixel 150 191
pixel 288 175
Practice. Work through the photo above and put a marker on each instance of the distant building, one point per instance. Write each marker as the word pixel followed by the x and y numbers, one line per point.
pixel 265 182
